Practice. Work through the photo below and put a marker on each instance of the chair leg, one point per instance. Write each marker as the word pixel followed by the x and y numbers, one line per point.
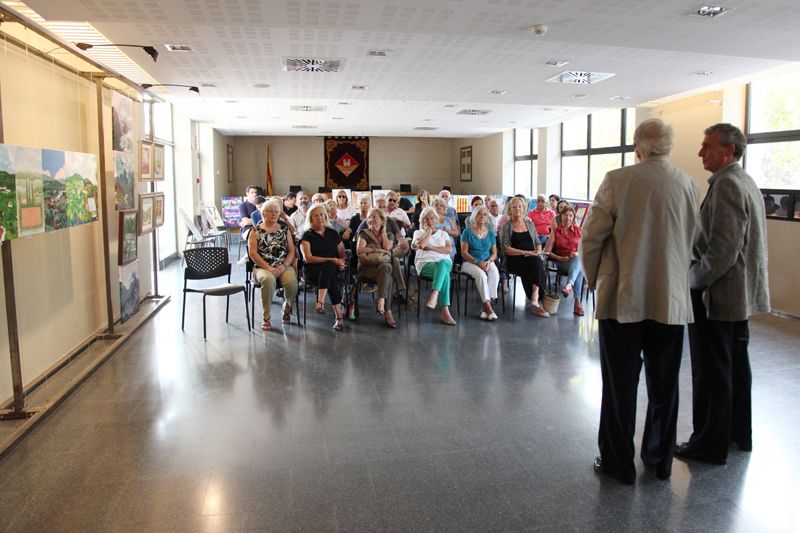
pixel 183 311
pixel 252 307
pixel 358 293
pixel 247 313
pixel 204 316
pixel 296 308
pixel 227 307
pixel 419 294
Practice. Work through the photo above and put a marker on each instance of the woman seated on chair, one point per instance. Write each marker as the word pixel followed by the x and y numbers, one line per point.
pixel 519 244
pixel 479 250
pixel 323 253
pixel 433 248
pixel 272 250
pixel 423 200
pixel 335 222
pixel 375 261
pixel 562 247
pixel 444 222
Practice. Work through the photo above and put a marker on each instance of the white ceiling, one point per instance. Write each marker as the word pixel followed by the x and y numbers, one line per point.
pixel 445 55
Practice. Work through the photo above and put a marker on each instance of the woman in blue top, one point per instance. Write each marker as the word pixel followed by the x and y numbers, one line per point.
pixel 479 250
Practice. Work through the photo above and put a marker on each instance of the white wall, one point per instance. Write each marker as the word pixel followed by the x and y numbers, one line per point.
pixel 59 276
pixel 490 161
pixel 184 173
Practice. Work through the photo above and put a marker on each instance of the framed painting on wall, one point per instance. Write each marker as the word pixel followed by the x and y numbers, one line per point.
pixel 146 210
pixel 466 163
pixel 128 237
pixel 145 161
pixel 157 167
pixel 158 209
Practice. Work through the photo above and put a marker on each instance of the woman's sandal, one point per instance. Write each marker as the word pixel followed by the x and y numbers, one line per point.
pixel 540 312
pixel 391 324
pixel 287 314
pixel 449 321
pixel 319 307
pixel 338 325
pixel 266 326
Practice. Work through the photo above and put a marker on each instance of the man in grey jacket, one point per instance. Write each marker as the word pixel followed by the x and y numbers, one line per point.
pixel 729 285
pixel 636 249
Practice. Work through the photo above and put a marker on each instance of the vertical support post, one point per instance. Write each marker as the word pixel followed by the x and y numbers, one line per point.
pixel 11 314
pixel 154 233
pixel 103 203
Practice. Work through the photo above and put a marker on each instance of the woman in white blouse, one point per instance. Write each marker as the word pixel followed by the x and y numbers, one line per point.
pixel 432 260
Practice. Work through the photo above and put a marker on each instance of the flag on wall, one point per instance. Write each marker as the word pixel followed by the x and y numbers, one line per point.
pixel 269 171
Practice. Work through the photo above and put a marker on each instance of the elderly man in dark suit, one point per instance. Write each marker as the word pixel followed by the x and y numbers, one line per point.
pixel 636 249
pixel 729 285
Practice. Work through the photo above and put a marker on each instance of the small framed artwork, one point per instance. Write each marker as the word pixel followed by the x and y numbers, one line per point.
pixel 146 211
pixel 230 163
pixel 145 161
pixel 158 209
pixel 157 168
pixel 466 163
pixel 128 249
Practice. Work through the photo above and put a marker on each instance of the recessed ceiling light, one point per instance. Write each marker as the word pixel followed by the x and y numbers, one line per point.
pixel 276 118
pixel 548 109
pixel 556 62
pixel 714 101
pixel 379 53
pixel 619 98
pixel 209 84
pixel 241 116
pixel 337 118
pixel 261 86
pixel 581 96
pixel 427 120
pixel 512 122
pixel 231 101
pixel 473 112
pixel 308 108
pixel 704 72
pixel 359 87
pixel 709 11
pixel 345 103
pixel 498 92
pixel 178 47
pixel 426 128
pixel 449 105
pixel 304 127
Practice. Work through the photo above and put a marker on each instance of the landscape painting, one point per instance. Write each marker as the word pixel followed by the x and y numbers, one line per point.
pixel 55 189
pixel 145 161
pixel 123 181
pixel 146 213
pixel 30 190
pixel 8 193
pixel 81 170
pixel 122 138
pixel 129 290
pixel 158 162
pixel 158 209
pixel 128 237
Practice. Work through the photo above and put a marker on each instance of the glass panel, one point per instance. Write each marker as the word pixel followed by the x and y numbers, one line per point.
pixel 147 120
pixel 630 159
pixel 774 165
pixel 162 121
pixel 573 177
pixel 606 128
pixel 167 244
pixel 630 125
pixel 775 104
pixel 574 134
pixel 601 164
pixel 522 178
pixel 535 141
pixel 522 142
pixel 534 177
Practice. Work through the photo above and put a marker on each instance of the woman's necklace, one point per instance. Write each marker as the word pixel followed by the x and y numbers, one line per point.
pixel 481 232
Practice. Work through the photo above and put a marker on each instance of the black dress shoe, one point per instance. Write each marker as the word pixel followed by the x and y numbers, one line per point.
pixel 687 451
pixel 744 446
pixel 600 469
pixel 657 472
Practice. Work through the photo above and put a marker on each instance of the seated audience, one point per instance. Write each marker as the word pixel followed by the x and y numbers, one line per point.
pixel 490 222
pixel 479 250
pixel 554 199
pixel 344 209
pixel 319 198
pixel 445 223
pixel 556 222
pixel 562 247
pixel 541 216
pixel 450 212
pixel 423 201
pixel 288 203
pixel 334 219
pixel 396 213
pixel 255 216
pixel 399 248
pixel 272 250
pixel 375 261
pixel 323 253
pixel 432 260
pixel 519 244
pixel 246 209
pixel 298 218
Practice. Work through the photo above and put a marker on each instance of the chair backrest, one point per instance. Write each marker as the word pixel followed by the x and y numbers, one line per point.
pixel 206 263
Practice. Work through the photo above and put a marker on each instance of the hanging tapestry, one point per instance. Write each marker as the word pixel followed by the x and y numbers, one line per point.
pixel 347 163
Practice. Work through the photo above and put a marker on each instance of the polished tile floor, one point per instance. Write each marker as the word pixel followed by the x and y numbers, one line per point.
pixel 478 427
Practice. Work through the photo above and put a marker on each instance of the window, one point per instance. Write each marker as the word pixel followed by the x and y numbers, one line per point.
pixel 773 132
pixel 526 167
pixel 593 145
pixel 162 126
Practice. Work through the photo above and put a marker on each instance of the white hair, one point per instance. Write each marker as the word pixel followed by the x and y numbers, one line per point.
pixel 653 138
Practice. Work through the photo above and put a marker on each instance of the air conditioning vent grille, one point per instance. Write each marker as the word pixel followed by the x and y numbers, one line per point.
pixel 474 112
pixel 311 64
pixel 308 108
pixel 425 128
pixel 575 77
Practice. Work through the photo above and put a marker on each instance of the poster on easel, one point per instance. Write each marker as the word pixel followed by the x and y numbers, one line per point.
pixel 230 210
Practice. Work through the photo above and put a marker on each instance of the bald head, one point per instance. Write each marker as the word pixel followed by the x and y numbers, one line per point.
pixel 653 138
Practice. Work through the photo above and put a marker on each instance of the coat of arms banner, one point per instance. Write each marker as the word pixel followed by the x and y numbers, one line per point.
pixel 347 163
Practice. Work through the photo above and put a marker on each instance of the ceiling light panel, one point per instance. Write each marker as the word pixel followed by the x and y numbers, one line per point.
pixel 307 108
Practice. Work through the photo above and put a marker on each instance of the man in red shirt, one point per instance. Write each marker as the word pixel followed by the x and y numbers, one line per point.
pixel 541 217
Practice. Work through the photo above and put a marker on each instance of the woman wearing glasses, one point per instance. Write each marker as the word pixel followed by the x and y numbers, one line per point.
pixel 344 208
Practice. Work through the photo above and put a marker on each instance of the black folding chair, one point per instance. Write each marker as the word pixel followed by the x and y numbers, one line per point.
pixel 251 283
pixel 210 263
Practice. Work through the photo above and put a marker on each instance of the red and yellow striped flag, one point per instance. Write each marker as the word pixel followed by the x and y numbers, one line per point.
pixel 269 171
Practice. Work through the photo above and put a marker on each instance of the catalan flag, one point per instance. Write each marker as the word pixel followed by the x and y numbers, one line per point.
pixel 269 170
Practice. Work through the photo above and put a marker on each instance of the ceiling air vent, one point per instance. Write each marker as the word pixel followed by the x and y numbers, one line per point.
pixel 379 53
pixel 261 86
pixel 209 85
pixel 556 62
pixel 304 127
pixel 580 78
pixel 311 64
pixel 473 112
pixel 178 47
pixel 308 108
pixel 708 12
pixel 425 128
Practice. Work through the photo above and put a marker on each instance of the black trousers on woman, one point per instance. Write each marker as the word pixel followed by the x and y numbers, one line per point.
pixel 531 270
pixel 325 276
